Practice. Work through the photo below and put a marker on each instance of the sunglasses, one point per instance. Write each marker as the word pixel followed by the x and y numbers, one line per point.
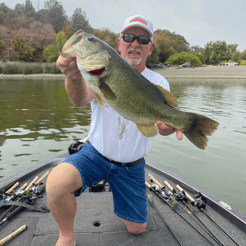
pixel 129 38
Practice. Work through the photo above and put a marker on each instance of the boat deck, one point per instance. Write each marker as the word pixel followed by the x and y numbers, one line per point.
pixel 96 224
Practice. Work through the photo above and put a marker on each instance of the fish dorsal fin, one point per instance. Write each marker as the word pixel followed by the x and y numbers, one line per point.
pixel 100 101
pixel 170 98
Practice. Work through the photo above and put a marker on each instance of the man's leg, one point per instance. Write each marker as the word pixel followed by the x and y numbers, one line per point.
pixel 61 183
pixel 134 228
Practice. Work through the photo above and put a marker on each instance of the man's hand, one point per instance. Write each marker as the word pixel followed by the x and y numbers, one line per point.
pixel 68 67
pixel 166 130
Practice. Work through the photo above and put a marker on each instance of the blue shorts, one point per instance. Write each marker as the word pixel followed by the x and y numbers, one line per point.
pixel 127 183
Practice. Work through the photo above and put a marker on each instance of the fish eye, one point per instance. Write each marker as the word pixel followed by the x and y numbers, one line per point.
pixel 91 38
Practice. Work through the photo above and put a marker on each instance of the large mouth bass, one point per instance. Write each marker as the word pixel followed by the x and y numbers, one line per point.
pixel 123 88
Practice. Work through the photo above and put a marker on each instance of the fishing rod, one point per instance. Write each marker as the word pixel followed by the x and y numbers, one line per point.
pixel 170 194
pixel 153 205
pixel 201 205
pixel 184 201
pixel 7 196
pixel 161 194
pixel 22 197
pixel 27 197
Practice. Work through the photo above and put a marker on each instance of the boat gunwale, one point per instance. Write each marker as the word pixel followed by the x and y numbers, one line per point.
pixel 235 217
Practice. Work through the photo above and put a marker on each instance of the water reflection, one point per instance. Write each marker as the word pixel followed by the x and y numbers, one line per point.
pixel 39 122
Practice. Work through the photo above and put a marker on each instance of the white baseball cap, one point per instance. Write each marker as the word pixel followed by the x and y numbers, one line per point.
pixel 140 21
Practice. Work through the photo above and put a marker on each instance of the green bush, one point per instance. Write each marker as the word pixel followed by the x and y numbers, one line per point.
pixel 11 68
pixel 51 68
pixel 33 68
pixel 181 58
pixel 242 62
pixel 28 68
pixel 1 67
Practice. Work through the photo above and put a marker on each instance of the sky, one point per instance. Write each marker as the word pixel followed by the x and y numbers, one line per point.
pixel 198 21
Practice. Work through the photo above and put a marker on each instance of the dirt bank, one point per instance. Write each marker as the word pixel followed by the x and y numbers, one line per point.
pixel 205 72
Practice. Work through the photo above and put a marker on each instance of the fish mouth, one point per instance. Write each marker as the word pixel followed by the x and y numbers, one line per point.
pixel 97 72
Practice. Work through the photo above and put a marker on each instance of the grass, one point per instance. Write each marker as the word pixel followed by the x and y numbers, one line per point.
pixel 242 62
pixel 28 68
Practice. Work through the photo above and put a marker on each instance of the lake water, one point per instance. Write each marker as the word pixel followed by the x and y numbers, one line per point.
pixel 39 122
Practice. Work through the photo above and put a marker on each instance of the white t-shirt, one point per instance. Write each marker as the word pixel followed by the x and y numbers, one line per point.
pixel 115 137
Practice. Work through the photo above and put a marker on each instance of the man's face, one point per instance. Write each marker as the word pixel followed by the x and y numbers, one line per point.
pixel 134 53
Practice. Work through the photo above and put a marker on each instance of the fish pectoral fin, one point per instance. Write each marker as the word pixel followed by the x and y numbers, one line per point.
pixel 148 130
pixel 170 98
pixel 100 101
pixel 106 90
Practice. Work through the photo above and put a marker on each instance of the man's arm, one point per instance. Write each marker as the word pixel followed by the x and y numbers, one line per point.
pixel 77 89
pixel 166 130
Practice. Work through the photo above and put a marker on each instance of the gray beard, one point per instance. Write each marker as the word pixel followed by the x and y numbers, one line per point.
pixel 135 62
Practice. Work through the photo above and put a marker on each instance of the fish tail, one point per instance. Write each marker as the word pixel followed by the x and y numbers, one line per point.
pixel 200 128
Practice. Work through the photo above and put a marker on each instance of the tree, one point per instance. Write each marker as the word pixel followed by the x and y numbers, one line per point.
pixel 4 10
pixel 219 52
pixel 197 49
pixel 25 51
pixel 232 48
pixel 207 52
pixel 42 15
pixel 236 57
pixel 79 21
pixel 169 43
pixel 107 36
pixel 216 52
pixel 20 33
pixel 153 58
pixel 56 15
pixel 2 46
pixel 68 30
pixel 53 51
pixel 243 55
pixel 20 9
pixel 28 7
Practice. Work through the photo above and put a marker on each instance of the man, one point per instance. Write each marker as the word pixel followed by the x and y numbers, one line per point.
pixel 116 148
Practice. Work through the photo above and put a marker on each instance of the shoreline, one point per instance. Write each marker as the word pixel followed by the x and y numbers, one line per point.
pixel 206 72
pixel 32 76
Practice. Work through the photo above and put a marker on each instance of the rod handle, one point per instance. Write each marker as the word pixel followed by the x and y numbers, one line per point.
pixel 12 235
pixel 41 179
pixel 189 196
pixel 168 185
pixel 31 184
pixel 155 181
pixel 147 184
pixel 22 188
pixel 13 187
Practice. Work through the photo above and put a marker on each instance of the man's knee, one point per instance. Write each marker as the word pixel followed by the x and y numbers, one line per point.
pixel 135 228
pixel 64 178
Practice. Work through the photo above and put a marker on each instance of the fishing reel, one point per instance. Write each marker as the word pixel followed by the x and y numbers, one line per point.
pixel 200 200
pixel 181 196
pixel 162 191
pixel 38 189
pixel 5 196
pixel 29 197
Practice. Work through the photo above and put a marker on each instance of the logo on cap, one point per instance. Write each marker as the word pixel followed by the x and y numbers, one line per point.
pixel 140 20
